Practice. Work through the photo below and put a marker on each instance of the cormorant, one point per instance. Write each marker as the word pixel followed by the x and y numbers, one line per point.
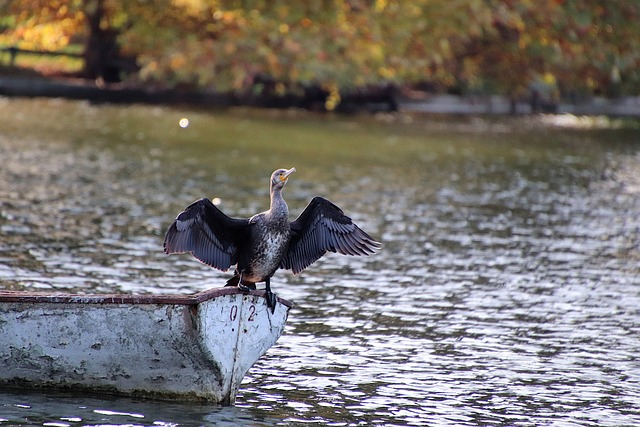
pixel 258 246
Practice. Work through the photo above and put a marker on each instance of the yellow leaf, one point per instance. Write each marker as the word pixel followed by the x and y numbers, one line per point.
pixel 386 72
pixel 177 61
pixel 549 79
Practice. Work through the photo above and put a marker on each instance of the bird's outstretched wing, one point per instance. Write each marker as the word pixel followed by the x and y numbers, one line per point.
pixel 208 234
pixel 322 227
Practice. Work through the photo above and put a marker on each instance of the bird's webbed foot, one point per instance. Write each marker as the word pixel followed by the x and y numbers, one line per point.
pixel 271 298
pixel 244 286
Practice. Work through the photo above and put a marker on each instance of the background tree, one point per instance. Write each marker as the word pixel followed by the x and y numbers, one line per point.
pixel 490 46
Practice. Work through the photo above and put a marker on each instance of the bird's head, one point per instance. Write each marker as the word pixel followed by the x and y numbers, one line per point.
pixel 279 178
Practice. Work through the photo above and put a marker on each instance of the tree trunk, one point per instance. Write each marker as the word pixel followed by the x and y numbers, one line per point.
pixel 101 46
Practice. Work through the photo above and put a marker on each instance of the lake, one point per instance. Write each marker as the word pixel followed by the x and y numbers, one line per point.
pixel 507 292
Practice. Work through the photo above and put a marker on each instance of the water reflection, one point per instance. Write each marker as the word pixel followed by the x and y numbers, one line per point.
pixel 507 291
pixel 68 409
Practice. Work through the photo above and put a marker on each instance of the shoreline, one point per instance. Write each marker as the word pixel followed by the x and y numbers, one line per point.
pixel 492 105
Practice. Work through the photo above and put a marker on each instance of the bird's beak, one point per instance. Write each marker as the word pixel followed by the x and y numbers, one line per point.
pixel 285 175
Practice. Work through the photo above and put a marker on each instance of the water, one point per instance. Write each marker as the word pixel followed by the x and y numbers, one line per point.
pixel 507 292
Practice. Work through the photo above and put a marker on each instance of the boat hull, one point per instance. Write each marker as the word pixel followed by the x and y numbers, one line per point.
pixel 194 348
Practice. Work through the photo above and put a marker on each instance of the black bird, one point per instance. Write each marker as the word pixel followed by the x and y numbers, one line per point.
pixel 258 246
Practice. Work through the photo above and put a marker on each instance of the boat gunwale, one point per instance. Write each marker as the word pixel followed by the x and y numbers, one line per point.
pixel 9 296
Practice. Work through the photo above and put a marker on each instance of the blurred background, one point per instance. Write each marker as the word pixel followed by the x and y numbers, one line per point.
pixel 314 55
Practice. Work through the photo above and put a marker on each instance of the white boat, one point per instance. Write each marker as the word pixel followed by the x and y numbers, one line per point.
pixel 195 347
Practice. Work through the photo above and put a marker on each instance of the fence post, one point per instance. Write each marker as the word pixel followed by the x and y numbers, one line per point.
pixel 13 52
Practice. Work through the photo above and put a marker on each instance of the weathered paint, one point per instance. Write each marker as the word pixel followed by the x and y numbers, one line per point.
pixel 190 347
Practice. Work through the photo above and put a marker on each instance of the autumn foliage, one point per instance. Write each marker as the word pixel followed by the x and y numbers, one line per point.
pixel 469 46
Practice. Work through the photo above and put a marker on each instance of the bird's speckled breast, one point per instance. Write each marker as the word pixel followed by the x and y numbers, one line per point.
pixel 268 250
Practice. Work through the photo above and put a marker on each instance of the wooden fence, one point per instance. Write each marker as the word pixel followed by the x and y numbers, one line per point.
pixel 14 52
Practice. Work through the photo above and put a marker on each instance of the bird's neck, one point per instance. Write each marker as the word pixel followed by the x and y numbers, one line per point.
pixel 278 207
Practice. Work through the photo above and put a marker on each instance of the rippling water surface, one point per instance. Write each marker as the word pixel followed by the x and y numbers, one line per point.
pixel 507 292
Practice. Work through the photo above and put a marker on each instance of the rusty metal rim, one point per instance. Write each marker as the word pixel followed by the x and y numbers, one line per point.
pixel 193 299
